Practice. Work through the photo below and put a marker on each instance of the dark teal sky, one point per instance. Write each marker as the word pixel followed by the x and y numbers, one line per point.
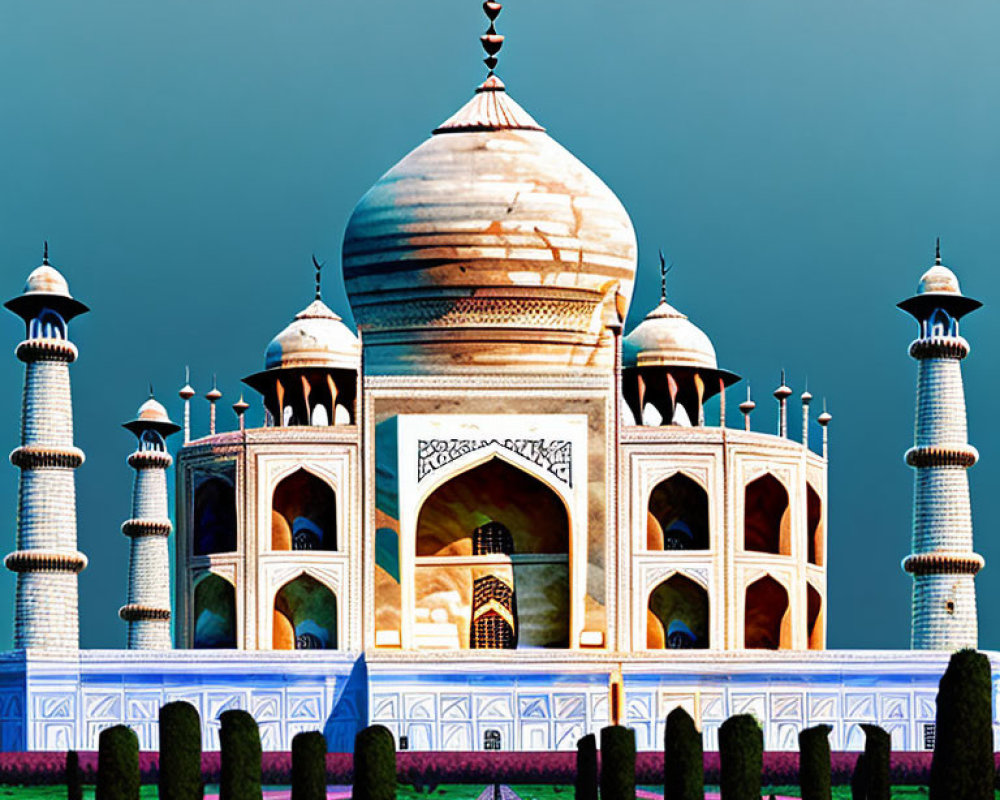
pixel 795 159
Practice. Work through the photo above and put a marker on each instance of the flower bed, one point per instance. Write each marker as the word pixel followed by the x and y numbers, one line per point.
pixel 780 769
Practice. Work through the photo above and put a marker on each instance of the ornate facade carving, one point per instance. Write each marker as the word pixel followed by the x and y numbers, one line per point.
pixel 554 456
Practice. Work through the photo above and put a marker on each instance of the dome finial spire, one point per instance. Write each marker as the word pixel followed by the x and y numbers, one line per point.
pixel 319 268
pixel 491 40
pixel 937 252
pixel 45 253
pixel 664 271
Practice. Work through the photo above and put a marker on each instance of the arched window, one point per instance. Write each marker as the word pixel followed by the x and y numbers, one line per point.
pixel 767 523
pixel 678 615
pixel 814 618
pixel 214 528
pixel 767 614
pixel 814 525
pixel 492 562
pixel 305 616
pixel 943 324
pixel 152 441
pixel 651 416
pixel 214 614
pixel 47 325
pixel 677 517
pixel 319 416
pixel 303 514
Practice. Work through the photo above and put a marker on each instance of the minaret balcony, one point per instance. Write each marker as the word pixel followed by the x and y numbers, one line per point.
pixel 45 561
pixel 150 459
pixel 47 350
pixel 134 528
pixel 36 456
pixel 135 612
pixel 943 563
pixel 942 456
pixel 939 347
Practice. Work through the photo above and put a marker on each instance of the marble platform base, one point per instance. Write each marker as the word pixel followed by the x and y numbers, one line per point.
pixel 521 700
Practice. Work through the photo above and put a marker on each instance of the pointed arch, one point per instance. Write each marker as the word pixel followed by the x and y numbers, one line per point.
pixel 767 615
pixel 677 515
pixel 767 521
pixel 678 615
pixel 814 618
pixel 814 526
pixel 525 582
pixel 303 513
pixel 214 523
pixel 48 324
pixel 304 616
pixel 214 613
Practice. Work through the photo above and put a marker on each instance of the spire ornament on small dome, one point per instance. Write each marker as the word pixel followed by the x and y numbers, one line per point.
pixel 319 269
pixel 45 254
pixel 664 271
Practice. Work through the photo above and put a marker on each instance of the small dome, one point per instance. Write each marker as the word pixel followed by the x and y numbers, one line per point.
pixel 666 337
pixel 46 279
pixel 152 411
pixel 317 338
pixel 937 280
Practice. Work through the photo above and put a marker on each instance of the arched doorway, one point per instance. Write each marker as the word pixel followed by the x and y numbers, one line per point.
pixel 678 615
pixel 303 514
pixel 214 523
pixel 767 614
pixel 767 522
pixel 305 616
pixel 677 517
pixel 492 550
pixel 814 525
pixel 214 614
pixel 814 618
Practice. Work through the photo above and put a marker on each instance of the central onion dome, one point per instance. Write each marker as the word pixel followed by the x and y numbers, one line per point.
pixel 490 246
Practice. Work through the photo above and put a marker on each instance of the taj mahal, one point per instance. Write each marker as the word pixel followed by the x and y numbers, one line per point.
pixel 485 514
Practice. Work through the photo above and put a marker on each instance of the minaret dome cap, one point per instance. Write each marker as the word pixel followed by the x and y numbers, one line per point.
pixel 939 288
pixel 152 416
pixel 937 280
pixel 46 288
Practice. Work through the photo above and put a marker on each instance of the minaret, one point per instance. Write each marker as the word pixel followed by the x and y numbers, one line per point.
pixel 46 560
pixel 148 609
pixel 942 563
